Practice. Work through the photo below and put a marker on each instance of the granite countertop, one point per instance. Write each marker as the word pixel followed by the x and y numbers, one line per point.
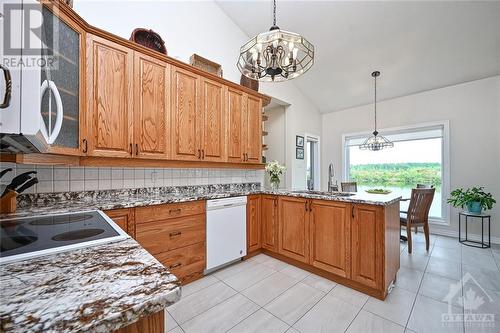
pixel 96 289
pixel 51 203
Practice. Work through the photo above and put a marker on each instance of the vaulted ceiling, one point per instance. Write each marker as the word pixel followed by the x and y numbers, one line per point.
pixel 417 45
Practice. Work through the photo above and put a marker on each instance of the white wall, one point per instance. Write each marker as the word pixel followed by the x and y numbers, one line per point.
pixel 202 27
pixel 473 111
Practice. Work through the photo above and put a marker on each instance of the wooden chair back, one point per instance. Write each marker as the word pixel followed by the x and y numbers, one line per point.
pixel 425 186
pixel 349 186
pixel 420 204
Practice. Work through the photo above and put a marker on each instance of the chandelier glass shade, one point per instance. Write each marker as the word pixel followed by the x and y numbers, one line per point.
pixel 376 142
pixel 275 55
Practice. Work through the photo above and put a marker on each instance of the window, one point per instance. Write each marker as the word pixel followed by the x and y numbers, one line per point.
pixel 312 162
pixel 418 157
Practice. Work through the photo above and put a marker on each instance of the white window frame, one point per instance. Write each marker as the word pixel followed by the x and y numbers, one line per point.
pixel 445 152
pixel 317 154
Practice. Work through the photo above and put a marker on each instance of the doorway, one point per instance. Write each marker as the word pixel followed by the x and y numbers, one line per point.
pixel 312 162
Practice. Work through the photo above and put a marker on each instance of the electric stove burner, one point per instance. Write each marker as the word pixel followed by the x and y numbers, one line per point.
pixel 61 219
pixel 77 234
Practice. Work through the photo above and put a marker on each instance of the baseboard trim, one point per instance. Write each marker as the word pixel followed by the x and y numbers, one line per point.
pixel 442 231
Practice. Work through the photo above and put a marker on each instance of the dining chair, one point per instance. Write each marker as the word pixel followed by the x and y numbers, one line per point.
pixel 349 187
pixel 417 214
pixel 425 186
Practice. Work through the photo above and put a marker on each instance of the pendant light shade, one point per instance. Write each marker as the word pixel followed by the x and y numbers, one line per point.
pixel 275 55
pixel 376 142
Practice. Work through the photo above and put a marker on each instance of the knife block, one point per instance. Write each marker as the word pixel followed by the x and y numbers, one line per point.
pixel 8 202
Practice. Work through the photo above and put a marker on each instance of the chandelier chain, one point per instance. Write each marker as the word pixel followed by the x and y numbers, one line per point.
pixel 274 13
pixel 375 103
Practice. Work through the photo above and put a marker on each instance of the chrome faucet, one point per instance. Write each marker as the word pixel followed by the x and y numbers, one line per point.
pixel 331 186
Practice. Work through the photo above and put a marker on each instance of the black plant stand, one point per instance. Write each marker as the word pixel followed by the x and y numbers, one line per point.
pixel 466 240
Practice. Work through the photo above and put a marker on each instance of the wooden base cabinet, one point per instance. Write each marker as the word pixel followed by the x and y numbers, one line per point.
pixel 253 223
pixel 293 234
pixel 330 236
pixel 124 217
pixel 269 222
pixel 175 235
pixel 154 323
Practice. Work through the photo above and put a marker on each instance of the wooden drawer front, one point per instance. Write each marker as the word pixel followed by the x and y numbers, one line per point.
pixel 162 212
pixel 186 263
pixel 166 235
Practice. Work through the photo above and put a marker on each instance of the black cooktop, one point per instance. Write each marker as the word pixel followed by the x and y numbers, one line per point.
pixel 24 235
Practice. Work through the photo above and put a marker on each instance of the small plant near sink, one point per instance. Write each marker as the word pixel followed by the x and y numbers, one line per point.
pixel 275 170
pixel 474 199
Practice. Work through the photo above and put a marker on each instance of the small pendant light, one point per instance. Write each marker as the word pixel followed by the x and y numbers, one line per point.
pixel 376 142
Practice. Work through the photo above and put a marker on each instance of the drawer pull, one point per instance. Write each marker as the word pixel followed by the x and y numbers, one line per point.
pixel 175 265
pixel 175 234
pixel 176 211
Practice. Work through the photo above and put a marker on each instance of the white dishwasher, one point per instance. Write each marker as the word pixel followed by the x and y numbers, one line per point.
pixel 226 231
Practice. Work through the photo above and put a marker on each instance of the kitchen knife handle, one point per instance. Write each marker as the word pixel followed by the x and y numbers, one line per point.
pixel 8 87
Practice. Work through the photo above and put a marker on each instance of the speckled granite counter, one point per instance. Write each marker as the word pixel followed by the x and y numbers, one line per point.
pixel 95 289
pixel 31 204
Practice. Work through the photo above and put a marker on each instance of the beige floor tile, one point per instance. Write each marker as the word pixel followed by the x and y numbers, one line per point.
pixel 275 264
pixel 269 288
pixel 294 303
pixel 409 279
pixel 486 278
pixel 248 277
pixel 198 285
pixel 260 322
pixel 368 322
pixel 349 295
pixel 396 307
pixel 414 261
pixel 295 272
pixel 329 315
pixel 481 260
pixel 170 323
pixel 427 315
pixel 447 253
pixel 177 329
pixel 482 302
pixel 221 317
pixel 260 258
pixel 194 304
pixel 226 272
pixel 446 268
pixel 436 286
pixel 448 242
pixel 319 282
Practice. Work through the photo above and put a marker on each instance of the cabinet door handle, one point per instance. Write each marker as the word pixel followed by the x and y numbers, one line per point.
pixel 85 146
pixel 136 149
pixel 199 153
pixel 130 149
pixel 352 211
pixel 275 202
pixel 203 154
pixel 8 87
pixel 175 234
pixel 310 205
pixel 177 211
pixel 306 206
pixel 175 265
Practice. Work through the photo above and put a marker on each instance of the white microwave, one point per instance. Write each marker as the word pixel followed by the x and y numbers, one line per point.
pixel 32 111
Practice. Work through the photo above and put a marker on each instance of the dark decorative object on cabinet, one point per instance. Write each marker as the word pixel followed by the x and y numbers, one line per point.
pixel 249 83
pixel 149 39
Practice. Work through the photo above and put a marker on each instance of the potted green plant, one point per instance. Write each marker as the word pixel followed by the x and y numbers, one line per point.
pixel 275 170
pixel 474 199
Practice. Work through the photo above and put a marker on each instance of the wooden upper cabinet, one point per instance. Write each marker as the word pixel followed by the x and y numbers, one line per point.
pixel 213 120
pixel 152 107
pixel 235 115
pixel 185 115
pixel 269 222
pixel 253 130
pixel 330 236
pixel 293 232
pixel 110 102
pixel 367 245
pixel 253 223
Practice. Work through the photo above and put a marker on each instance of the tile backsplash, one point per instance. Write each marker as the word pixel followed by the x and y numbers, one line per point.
pixel 64 178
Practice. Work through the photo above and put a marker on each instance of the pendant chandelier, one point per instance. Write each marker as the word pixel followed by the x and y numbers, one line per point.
pixel 376 142
pixel 275 55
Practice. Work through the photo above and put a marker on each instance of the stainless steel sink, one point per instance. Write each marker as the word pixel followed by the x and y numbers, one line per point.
pixel 333 194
